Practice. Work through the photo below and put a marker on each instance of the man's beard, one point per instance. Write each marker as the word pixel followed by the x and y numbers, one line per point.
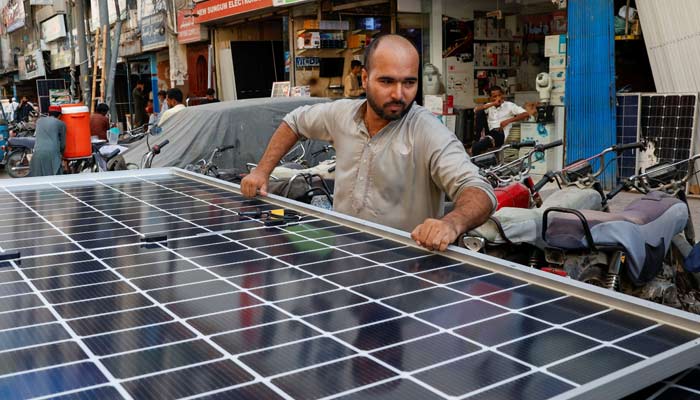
pixel 379 110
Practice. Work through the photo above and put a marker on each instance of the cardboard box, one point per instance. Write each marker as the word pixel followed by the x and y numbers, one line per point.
pixel 311 24
pixel 439 104
pixel 557 74
pixel 357 41
pixel 554 45
pixel 558 86
pixel 558 98
pixel 557 62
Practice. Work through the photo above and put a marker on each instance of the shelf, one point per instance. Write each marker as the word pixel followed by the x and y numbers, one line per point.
pixel 497 40
pixel 628 37
pixel 356 50
pixel 494 68
pixel 371 32
pixel 300 31
pixel 321 50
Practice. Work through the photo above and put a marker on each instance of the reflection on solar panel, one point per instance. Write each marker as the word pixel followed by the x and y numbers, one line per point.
pixel 627 132
pixel 215 304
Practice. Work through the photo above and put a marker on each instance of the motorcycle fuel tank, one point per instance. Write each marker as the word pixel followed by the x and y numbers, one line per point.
pixel 514 195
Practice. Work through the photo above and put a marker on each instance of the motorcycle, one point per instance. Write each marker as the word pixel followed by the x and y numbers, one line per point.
pixel 516 233
pixel 639 251
pixel 18 153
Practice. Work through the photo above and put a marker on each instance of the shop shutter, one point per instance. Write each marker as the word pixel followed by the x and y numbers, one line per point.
pixel 590 83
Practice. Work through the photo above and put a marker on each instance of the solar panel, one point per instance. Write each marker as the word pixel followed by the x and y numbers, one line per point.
pixel 668 121
pixel 628 114
pixel 149 284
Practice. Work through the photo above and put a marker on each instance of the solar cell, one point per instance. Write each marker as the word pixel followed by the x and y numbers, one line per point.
pixel 170 293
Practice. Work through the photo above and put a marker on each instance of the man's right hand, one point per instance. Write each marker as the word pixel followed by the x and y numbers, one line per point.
pixel 254 183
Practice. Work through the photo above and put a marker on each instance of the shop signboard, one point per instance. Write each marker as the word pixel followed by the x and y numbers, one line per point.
pixel 31 65
pixel 212 10
pixel 13 15
pixel 188 31
pixel 53 28
pixel 58 97
pixel 280 3
pixel 153 32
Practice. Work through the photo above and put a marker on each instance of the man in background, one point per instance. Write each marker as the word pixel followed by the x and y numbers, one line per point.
pixel 139 98
pixel 351 88
pixel 49 145
pixel 500 114
pixel 174 100
pixel 99 123
pixel 24 109
pixel 211 97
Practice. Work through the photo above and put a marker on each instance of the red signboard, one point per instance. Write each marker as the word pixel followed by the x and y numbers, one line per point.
pixel 188 31
pixel 216 9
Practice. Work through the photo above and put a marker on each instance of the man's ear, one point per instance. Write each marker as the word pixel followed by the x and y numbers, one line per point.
pixel 365 76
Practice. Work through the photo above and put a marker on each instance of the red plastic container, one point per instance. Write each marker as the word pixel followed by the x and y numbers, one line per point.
pixel 77 120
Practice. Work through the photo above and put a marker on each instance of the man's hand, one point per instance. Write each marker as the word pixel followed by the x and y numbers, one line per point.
pixel 256 180
pixel 435 234
pixel 504 124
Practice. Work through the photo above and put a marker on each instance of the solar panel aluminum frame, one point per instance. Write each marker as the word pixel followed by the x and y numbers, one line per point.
pixel 615 385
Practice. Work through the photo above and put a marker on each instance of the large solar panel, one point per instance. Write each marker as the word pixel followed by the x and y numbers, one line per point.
pixel 628 114
pixel 149 284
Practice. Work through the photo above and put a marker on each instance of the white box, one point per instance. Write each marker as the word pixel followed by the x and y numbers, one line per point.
pixel 557 62
pixel 450 122
pixel 540 133
pixel 558 98
pixel 434 103
pixel 554 45
pixel 557 74
pixel 558 86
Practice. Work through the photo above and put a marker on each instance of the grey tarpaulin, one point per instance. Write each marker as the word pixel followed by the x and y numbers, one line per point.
pixel 195 131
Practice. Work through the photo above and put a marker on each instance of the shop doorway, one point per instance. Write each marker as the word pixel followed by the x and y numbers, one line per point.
pixel 256 65
pixel 197 64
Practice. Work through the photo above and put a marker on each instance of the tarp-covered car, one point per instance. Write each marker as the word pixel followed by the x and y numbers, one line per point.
pixel 195 131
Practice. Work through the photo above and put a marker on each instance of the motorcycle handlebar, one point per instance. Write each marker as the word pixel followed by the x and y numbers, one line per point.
pixel 225 148
pixel 619 148
pixel 157 148
pixel 543 147
pixel 615 191
pixel 545 180
pixel 524 143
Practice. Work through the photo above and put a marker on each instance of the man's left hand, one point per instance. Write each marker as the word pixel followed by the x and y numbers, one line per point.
pixel 435 234
pixel 504 124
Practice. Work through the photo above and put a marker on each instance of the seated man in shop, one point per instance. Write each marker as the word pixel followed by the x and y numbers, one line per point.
pixel 500 114
pixel 351 87
pixel 174 101
pixel 395 160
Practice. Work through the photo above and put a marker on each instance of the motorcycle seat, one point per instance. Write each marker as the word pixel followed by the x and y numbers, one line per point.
pixel 522 225
pixel 25 141
pixel 644 229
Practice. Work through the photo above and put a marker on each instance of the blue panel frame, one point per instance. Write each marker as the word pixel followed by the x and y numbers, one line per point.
pixel 590 83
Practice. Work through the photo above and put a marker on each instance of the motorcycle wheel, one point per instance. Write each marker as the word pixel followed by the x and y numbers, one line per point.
pixel 17 159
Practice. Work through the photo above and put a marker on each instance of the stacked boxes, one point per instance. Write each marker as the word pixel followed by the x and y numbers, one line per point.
pixel 442 106
pixel 492 54
pixel 555 49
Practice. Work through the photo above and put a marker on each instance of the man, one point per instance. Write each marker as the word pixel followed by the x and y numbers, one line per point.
pixel 500 114
pixel 351 87
pixel 174 100
pixel 162 103
pixel 211 98
pixel 49 145
pixel 395 160
pixel 14 105
pixel 99 123
pixel 139 99
pixel 24 109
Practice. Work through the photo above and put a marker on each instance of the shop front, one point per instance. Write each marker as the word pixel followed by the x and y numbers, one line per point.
pixel 248 48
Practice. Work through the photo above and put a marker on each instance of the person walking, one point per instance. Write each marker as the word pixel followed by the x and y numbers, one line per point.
pixel 139 98
pixel 49 146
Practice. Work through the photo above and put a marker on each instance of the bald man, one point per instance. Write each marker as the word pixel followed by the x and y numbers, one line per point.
pixel 395 160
